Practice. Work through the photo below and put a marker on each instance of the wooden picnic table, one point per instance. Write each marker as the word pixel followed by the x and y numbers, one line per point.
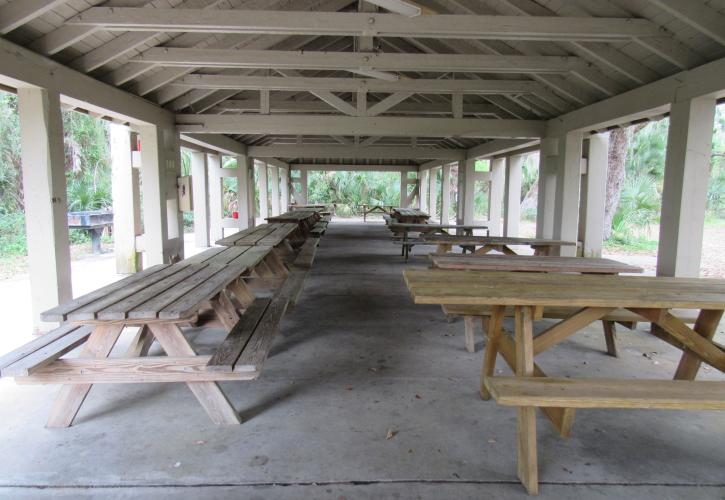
pixel 410 215
pixel 369 209
pixel 158 300
pixel 499 243
pixel 591 297
pixel 405 229
pixel 273 235
pixel 305 219
pixel 531 263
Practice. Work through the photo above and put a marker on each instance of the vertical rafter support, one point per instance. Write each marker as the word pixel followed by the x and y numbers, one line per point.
pixel 43 166
pixel 684 192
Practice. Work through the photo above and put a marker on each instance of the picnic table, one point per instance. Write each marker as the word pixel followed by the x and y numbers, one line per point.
pixel 279 236
pixel 405 228
pixel 591 297
pixel 525 263
pixel 499 243
pixel 409 215
pixel 305 219
pixel 369 209
pixel 159 300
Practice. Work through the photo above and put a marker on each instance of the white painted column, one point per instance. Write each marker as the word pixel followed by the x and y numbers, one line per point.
pixel 403 188
pixel 284 188
pixel 594 195
pixel 423 184
pixel 446 193
pixel 512 195
pixel 684 192
pixel 303 188
pixel 125 198
pixel 242 192
pixel 496 195
pixel 45 197
pixel 566 214
pixel 545 208
pixel 469 190
pixel 460 191
pixel 432 192
pixel 155 207
pixel 200 190
pixel 263 187
pixel 216 198
pixel 251 201
pixel 274 181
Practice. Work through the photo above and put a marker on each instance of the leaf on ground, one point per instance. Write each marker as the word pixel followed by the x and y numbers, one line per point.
pixel 391 434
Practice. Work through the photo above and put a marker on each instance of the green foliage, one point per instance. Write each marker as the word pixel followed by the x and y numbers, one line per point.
pixel 12 234
pixel 11 191
pixel 351 189
pixel 639 207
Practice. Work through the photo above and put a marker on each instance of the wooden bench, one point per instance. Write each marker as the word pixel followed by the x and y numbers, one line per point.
pixel 318 229
pixel 622 316
pixel 307 253
pixel 43 350
pixel 607 393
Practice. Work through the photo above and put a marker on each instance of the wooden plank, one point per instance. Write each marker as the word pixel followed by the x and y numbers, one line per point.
pixel 608 393
pixel 705 326
pixel 231 348
pixel 131 371
pixel 257 349
pixel 35 344
pixel 293 286
pixel 531 263
pixel 306 256
pixel 61 312
pixel 190 302
pixel 49 353
pixel 526 415
pixel 564 329
pixel 225 310
pixel 451 239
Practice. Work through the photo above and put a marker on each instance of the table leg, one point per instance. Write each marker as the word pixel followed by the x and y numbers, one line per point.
pixel 209 394
pixel 526 418
pixel 610 337
pixel 140 344
pixel 483 250
pixel 706 325
pixel 71 397
pixel 493 331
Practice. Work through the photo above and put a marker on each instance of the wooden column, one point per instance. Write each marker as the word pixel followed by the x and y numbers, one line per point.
pixel 423 184
pixel 251 202
pixel 496 195
pixel 242 192
pixel 594 194
pixel 45 197
pixel 200 192
pixel 303 187
pixel 216 198
pixel 125 186
pixel 684 192
pixel 284 188
pixel 403 188
pixel 263 187
pixel 512 195
pixel 446 193
pixel 155 206
pixel 568 182
pixel 432 192
pixel 469 191
pixel 274 184
pixel 545 207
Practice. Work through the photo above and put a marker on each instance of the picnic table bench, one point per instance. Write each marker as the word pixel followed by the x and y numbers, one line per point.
pixel 499 243
pixel 159 300
pixel 405 229
pixel 591 297
pixel 524 263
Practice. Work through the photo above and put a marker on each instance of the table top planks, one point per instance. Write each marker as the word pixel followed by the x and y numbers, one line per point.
pixel 444 286
pixel 295 216
pixel 410 212
pixel 452 239
pixel 168 292
pixel 532 263
pixel 264 234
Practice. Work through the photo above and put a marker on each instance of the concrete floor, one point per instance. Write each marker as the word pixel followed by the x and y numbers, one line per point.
pixel 354 360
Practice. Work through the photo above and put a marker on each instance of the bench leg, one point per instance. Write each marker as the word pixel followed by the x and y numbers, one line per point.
pixel 493 331
pixel 526 418
pixel 209 394
pixel 470 333
pixel 610 337
pixel 71 397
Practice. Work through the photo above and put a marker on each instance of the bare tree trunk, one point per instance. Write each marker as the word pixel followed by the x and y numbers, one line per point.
pixel 618 141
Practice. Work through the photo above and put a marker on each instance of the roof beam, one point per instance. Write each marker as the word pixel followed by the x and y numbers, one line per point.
pixel 497 147
pixel 279 59
pixel 398 7
pixel 365 24
pixel 698 15
pixel 219 143
pixel 361 126
pixel 358 152
pixel 337 167
pixel 18 12
pixel 441 86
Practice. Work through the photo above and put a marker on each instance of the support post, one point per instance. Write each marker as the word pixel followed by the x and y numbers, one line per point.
pixel 216 198
pixel 242 192
pixel 303 187
pixel 274 184
pixel 568 182
pixel 512 195
pixel 155 206
pixel 263 187
pixel 125 198
pixel 594 194
pixel 45 197
pixel 200 191
pixel 684 192
pixel 469 191
pixel 445 193
pixel 496 195
pixel 432 192
pixel 423 186
pixel 251 196
pixel 403 188
pixel 284 188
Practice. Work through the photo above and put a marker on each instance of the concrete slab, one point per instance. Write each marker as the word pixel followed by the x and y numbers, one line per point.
pixel 354 360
